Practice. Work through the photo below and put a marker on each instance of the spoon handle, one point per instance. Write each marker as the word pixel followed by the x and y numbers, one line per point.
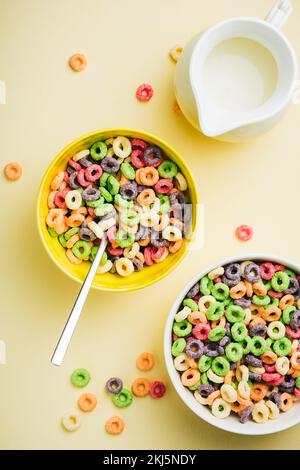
pixel 69 328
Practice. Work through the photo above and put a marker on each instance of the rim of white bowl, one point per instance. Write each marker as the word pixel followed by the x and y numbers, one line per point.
pixel 231 424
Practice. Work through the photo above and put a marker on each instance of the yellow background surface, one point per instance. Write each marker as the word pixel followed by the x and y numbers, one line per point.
pixel 126 43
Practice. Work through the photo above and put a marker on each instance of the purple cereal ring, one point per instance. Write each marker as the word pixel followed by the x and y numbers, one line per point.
pixel 224 341
pixel 211 349
pixel 252 272
pixel 230 282
pixel 258 330
pixel 91 194
pixel 194 291
pixel 114 385
pixel 85 162
pixel 129 191
pixel 86 234
pixel 194 348
pixel 138 265
pixel 253 361
pixel 228 329
pixel 142 233
pixel 73 183
pixel 177 197
pixel 275 398
pixel 221 350
pixel 293 286
pixel 153 155
pixel 295 320
pixel 233 271
pixel 141 188
pixel 255 377
pixel 110 165
pixel 205 390
pixel 244 303
pixel 245 414
pixel 289 382
pixel 71 170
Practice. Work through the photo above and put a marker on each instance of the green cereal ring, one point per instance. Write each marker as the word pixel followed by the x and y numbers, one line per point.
pixel 80 378
pixel 234 352
pixel 94 204
pixel 105 195
pixel 194 387
pixel 167 169
pixel 239 331
pixel 178 346
pixel 227 302
pixel 269 343
pixel 103 178
pixel 122 202
pixel 286 314
pixel 220 291
pixel 128 171
pixel 274 302
pixel 69 233
pixel 261 300
pixel 164 204
pixel 298 382
pixel 82 249
pixel 246 344
pixel 103 209
pixel 235 384
pixel 130 218
pixel 217 333
pixel 220 366
pixel 290 273
pixel 124 239
pixel 93 254
pixel 214 311
pixel 204 363
pixel 258 345
pixel 234 313
pixel 191 304
pixel 280 281
pixel 62 240
pixel 205 285
pixel 98 150
pixel 204 379
pixel 52 232
pixel 113 185
pixel 282 347
pixel 122 399
pixel 182 328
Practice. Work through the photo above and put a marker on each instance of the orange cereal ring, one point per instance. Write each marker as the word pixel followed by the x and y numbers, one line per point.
pixel 220 322
pixel 228 377
pixel 197 317
pixel 80 210
pixel 71 257
pixel 286 401
pixel 242 401
pixel 55 216
pixel 296 374
pixel 295 360
pixel 259 288
pixel 72 240
pixel 257 321
pixel 114 425
pixel 258 391
pixel 77 62
pixel 145 361
pixel 269 357
pixel 193 364
pixel 123 180
pixel 255 310
pixel 211 398
pixel 175 246
pixel 13 171
pixel 163 223
pixel 50 200
pixel 75 220
pixel 145 242
pixel 149 176
pixel 140 387
pixel 286 301
pixel 238 291
pixel 190 377
pixel 237 407
pixel 128 229
pixel 87 402
pixel 146 197
pixel 137 176
pixel 271 313
pixel 249 288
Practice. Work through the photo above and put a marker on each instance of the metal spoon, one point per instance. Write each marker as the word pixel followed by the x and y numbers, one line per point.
pixel 69 328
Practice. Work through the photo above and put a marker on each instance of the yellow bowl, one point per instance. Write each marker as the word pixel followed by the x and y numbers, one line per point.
pixel 108 281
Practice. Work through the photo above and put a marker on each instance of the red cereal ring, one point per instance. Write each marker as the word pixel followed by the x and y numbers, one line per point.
pixel 137 159
pixel 144 92
pixel 174 337
pixel 157 252
pixel 74 165
pixel 244 233
pixel 91 212
pixel 139 144
pixel 297 392
pixel 275 295
pixel 115 251
pixel 218 280
pixel 148 256
pixel 59 200
pixel 294 334
pixel 111 234
pixel 277 382
pixel 270 377
pixel 66 177
pixel 93 173
pixel 270 367
pixel 267 271
pixel 279 267
pixel 81 178
pixel 163 186
pixel 157 389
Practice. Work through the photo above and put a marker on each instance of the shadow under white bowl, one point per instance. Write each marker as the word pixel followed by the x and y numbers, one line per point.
pixel 231 424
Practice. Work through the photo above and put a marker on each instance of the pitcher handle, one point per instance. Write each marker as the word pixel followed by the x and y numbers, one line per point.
pixel 280 13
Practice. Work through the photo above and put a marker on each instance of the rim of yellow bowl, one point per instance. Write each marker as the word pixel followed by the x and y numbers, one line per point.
pixel 129 132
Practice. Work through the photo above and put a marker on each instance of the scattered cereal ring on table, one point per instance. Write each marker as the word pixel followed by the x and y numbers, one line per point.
pixel 140 387
pixel 87 402
pixel 145 361
pixel 144 92
pixel 236 347
pixel 124 188
pixel 71 421
pixel 244 233
pixel 114 425
pixel 78 62
pixel 80 378
pixel 157 389
pixel 13 171
pixel 122 399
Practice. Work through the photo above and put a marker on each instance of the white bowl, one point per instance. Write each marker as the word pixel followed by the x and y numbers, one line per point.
pixel 232 424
